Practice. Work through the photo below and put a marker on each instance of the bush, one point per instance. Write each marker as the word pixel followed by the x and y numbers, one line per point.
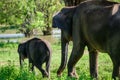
pixel 10 72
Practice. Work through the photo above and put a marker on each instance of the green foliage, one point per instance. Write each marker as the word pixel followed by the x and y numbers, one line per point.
pixel 25 75
pixel 8 73
pixel 38 22
pixel 8 44
pixel 28 14
pixel 115 0
pixel 14 11
pixel 48 8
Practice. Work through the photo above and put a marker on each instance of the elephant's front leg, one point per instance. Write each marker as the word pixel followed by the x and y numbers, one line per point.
pixel 76 54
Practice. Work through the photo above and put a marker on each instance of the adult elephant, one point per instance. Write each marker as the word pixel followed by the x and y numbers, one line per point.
pixel 66 37
pixel 94 24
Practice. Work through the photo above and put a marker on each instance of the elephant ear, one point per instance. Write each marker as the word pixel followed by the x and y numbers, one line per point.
pixel 63 19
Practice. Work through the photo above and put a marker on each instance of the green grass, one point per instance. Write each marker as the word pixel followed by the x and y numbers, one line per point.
pixel 10 70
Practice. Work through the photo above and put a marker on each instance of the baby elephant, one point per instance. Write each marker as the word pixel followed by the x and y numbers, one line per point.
pixel 38 52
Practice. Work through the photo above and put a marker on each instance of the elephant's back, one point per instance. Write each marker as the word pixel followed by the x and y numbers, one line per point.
pixel 94 22
pixel 38 48
pixel 99 24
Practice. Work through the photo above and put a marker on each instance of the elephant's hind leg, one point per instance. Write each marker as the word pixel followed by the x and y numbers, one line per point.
pixel 44 73
pixel 93 56
pixel 31 64
pixel 116 66
pixel 39 63
pixel 76 54
pixel 93 64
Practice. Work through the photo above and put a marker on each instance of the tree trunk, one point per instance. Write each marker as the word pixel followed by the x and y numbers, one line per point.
pixel 48 31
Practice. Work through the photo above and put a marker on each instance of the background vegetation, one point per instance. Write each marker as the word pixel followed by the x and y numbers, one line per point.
pixel 28 15
pixel 34 16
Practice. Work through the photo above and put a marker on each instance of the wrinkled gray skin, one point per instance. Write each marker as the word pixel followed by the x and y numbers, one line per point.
pixel 38 52
pixel 94 24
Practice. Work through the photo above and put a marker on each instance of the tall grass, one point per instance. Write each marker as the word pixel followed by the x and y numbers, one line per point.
pixel 11 72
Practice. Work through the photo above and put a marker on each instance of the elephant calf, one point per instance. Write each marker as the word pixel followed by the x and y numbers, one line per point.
pixel 37 51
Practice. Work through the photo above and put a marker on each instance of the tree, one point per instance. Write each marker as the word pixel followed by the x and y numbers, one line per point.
pixel 48 8
pixel 16 12
pixel 28 14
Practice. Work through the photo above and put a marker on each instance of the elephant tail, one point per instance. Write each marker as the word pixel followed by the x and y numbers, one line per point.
pixel 48 63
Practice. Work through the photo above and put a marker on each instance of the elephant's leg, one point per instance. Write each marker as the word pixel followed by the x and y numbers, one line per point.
pixel 31 65
pixel 93 56
pixel 44 73
pixel 116 66
pixel 93 64
pixel 39 62
pixel 76 54
pixel 116 71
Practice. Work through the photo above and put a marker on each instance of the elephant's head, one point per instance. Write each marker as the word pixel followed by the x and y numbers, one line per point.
pixel 63 19
pixel 22 52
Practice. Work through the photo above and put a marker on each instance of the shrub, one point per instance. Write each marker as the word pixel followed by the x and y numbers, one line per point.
pixel 10 72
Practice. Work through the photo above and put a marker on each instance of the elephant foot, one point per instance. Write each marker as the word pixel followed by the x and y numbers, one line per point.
pixel 59 73
pixel 115 78
pixel 45 74
pixel 73 75
pixel 94 75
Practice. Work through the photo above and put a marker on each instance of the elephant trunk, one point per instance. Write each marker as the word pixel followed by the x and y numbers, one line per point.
pixel 63 57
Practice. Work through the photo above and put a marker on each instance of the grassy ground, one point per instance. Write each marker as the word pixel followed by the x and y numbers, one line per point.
pixel 9 64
